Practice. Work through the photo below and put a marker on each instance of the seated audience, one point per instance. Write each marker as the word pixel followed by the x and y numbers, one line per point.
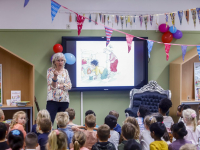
pixel 78 141
pixel 179 131
pixel 89 112
pixel 45 128
pixel 31 141
pixel 15 140
pixel 111 121
pixel 180 109
pixel 2 118
pixel 188 147
pixel 3 132
pixel 62 120
pixel 116 114
pixel 132 145
pixel 157 131
pixel 71 113
pixel 103 134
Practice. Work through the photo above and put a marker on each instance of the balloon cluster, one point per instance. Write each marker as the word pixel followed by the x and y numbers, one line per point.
pixel 169 33
pixel 70 58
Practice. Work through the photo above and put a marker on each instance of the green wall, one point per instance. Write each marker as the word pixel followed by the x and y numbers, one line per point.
pixel 35 46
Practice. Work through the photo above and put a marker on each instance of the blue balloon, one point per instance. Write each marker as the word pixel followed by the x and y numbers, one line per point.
pixel 70 58
pixel 172 29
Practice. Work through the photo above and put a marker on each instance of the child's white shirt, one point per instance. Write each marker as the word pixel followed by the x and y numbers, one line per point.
pixel 145 139
pixel 168 121
pixel 192 135
pixel 114 138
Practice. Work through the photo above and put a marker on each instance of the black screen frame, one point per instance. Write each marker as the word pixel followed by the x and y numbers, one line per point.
pixel 116 88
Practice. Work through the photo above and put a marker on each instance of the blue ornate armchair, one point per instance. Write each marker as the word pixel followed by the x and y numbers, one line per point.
pixel 149 95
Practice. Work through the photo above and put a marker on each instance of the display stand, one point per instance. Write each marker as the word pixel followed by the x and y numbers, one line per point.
pixel 18 74
pixel 182 82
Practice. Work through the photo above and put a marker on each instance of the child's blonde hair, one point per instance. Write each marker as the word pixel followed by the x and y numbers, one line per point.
pixel 189 115
pixel 148 120
pixel 1 113
pixel 134 121
pixel 188 147
pixel 78 140
pixel 15 117
pixel 57 140
pixel 62 119
pixel 42 114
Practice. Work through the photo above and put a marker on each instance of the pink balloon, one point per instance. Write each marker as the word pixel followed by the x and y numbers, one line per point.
pixel 163 28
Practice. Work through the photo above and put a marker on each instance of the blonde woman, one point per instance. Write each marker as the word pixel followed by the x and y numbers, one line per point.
pixel 58 84
pixel 42 114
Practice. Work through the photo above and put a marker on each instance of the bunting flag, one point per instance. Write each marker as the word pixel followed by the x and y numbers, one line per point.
pixel 186 12
pixel 194 16
pixel 180 15
pixel 113 19
pixel 126 18
pixel 26 2
pixel 104 18
pixel 54 9
pixel 150 45
pixel 100 16
pixel 129 39
pixel 145 21
pixel 141 20
pixel 122 21
pixel 198 13
pixel 167 48
pixel 134 19
pixel 184 49
pixel 109 32
pixel 96 17
pixel 70 17
pixel 151 19
pixel 90 18
pixel 129 19
pixel 80 21
pixel 166 18
pixel 172 15
pixel 117 19
pixel 198 50
pixel 108 19
pixel 131 22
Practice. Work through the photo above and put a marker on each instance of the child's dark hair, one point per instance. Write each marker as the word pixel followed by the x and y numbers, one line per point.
pixel 90 112
pixel 3 130
pixel 114 113
pixel 158 128
pixel 111 121
pixel 180 129
pixel 90 120
pixel 132 145
pixel 95 62
pixel 184 107
pixel 45 125
pixel 16 139
pixel 144 111
pixel 103 132
pixel 165 104
pixel 31 140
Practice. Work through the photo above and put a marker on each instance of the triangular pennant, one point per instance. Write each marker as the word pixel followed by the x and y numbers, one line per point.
pixel 166 19
pixel 80 21
pixel 198 50
pixel 180 15
pixel 186 12
pixel 90 18
pixel 26 2
pixel 108 18
pixel 151 19
pixel 54 9
pixel 100 16
pixel 172 15
pixel 167 48
pixel 70 17
pixel 141 20
pixel 122 21
pixel 150 45
pixel 104 18
pixel 117 19
pixel 126 18
pixel 109 32
pixel 184 49
pixel 129 39
pixel 198 13
pixel 194 16
pixel 145 21
pixel 129 19
pixel 96 18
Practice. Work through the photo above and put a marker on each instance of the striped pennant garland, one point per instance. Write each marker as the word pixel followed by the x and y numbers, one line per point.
pixel 167 48
pixel 150 45
pixel 54 9
pixel 151 19
pixel 180 15
pixel 198 13
pixel 198 50
pixel 194 16
pixel 80 21
pixel 184 49
pixel 26 2
pixel 109 32
pixel 129 39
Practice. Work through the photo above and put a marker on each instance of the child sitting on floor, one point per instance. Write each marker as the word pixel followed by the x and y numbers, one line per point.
pixel 71 113
pixel 116 114
pixel 31 141
pixel 3 131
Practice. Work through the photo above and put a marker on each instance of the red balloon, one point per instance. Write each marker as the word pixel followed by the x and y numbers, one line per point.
pixel 167 37
pixel 57 48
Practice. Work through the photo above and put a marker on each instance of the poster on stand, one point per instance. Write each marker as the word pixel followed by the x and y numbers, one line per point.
pixel 197 80
pixel 1 97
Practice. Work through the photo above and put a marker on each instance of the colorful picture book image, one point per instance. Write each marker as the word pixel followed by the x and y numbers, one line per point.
pixel 197 79
pixel 98 65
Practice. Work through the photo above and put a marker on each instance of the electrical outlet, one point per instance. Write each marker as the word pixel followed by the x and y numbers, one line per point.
pixel 67 26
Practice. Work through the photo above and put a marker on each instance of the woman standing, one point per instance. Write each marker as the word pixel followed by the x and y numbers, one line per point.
pixel 58 84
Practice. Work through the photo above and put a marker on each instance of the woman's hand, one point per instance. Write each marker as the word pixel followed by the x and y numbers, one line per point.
pixel 55 74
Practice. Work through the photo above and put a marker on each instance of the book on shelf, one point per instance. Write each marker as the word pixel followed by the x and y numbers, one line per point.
pixel 15 97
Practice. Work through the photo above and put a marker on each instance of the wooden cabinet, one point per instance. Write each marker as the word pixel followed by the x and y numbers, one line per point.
pixel 182 81
pixel 17 74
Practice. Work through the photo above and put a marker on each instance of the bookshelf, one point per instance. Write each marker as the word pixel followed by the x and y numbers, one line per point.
pixel 17 74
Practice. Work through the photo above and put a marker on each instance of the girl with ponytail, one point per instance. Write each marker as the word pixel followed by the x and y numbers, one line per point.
pixel 179 131
pixel 78 141
pixel 57 140
pixel 15 140
pixel 189 117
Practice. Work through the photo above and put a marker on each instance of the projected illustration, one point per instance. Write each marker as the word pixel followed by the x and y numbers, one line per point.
pixel 98 65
